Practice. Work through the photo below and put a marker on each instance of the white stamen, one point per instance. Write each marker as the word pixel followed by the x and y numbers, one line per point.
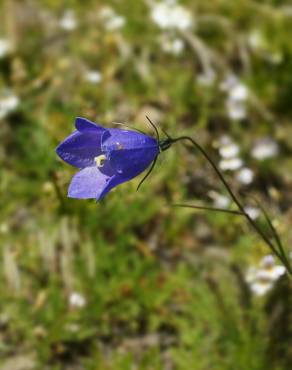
pixel 99 161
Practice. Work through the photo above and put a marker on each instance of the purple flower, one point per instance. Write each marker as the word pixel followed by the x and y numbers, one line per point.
pixel 106 157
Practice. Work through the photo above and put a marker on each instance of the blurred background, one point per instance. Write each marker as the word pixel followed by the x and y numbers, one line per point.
pixel 131 282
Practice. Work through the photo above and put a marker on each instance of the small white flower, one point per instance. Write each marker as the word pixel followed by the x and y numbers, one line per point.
pixel 237 95
pixel 230 164
pixel 245 176
pixel 269 269
pixel 236 102
pixel 229 150
pixel 76 300
pixel 256 40
pixel 112 21
pixel 267 261
pixel 169 15
pixel 225 140
pixel 253 212
pixel 5 47
pixel 93 76
pixel 176 47
pixel 229 82
pixel 207 78
pixel 265 148
pixel 236 110
pixel 106 12
pixel 8 103
pixel 262 279
pixel 171 45
pixel 273 273
pixel 260 288
pixel 115 23
pixel 220 201
pixel 239 92
pixel 68 22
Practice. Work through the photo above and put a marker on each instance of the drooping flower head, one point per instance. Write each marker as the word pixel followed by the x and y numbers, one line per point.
pixel 105 157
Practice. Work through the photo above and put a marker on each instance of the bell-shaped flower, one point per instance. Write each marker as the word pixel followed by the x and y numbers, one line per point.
pixel 105 157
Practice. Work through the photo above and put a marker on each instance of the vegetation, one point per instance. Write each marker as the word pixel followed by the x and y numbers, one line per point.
pixel 132 282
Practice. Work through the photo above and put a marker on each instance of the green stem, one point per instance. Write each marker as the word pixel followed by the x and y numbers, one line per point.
pixel 235 199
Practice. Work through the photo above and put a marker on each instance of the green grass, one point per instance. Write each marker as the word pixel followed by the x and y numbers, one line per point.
pixel 164 287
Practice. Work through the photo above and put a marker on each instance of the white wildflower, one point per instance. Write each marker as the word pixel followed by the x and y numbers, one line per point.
pixel 267 261
pixel 256 40
pixel 245 176
pixel 219 200
pixel 237 95
pixel 169 15
pixel 68 22
pixel 76 300
pixel 273 273
pixel 177 46
pixel 236 102
pixel 229 150
pixel 112 21
pixel 265 148
pixel 229 82
pixel 115 23
pixel 253 212
pixel 262 278
pixel 260 288
pixel 93 76
pixel 171 45
pixel 106 12
pixel 230 164
pixel 206 78
pixel 5 47
pixel 8 103
pixel 236 110
pixel 239 92
pixel 225 140
pixel 270 268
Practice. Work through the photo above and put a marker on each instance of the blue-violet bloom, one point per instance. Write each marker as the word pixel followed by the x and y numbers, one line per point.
pixel 105 157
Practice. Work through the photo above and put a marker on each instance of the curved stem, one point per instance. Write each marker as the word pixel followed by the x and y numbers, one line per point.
pixel 234 198
pixel 148 173
pixel 215 209
pixel 274 232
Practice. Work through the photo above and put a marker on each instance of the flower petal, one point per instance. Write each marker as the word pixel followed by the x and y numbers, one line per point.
pixel 80 149
pixel 117 139
pixel 112 182
pixel 91 183
pixel 84 125
pixel 130 163
pixel 129 152
pixel 88 183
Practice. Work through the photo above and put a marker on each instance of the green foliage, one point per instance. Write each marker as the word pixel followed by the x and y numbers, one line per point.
pixel 162 287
